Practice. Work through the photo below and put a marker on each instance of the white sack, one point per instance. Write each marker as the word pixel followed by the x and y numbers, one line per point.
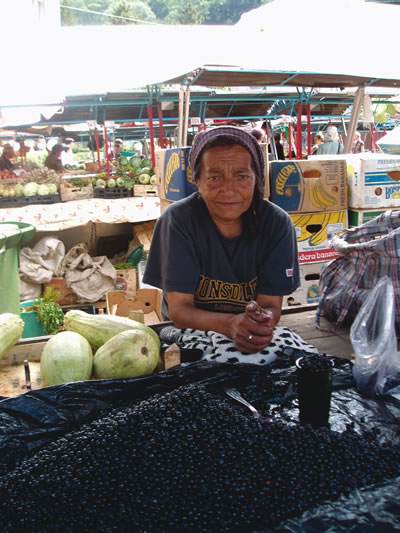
pixel 42 262
pixel 90 278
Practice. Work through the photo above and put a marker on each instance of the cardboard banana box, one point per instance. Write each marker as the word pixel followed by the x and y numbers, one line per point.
pixel 314 231
pixel 174 178
pixel 309 186
pixel 309 292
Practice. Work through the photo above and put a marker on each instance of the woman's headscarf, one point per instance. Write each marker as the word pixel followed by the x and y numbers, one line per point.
pixel 204 138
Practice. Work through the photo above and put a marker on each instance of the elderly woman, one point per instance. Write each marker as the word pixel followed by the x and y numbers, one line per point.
pixel 332 144
pixel 224 256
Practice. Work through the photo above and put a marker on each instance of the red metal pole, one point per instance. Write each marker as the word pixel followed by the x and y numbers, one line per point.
pixel 96 135
pixel 299 143
pixel 161 127
pixel 106 151
pixel 371 141
pixel 290 141
pixel 308 129
pixel 150 115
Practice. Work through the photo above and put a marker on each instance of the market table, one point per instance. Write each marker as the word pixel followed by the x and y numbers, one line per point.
pixel 65 215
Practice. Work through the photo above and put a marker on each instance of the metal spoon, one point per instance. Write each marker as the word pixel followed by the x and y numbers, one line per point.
pixel 235 394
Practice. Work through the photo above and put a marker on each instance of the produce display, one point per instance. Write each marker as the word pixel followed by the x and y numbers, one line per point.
pixel 66 357
pixel 190 460
pixel 31 183
pixel 11 329
pixel 129 172
pixel 122 348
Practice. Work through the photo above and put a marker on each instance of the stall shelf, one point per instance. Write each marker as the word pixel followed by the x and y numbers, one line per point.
pixel 61 216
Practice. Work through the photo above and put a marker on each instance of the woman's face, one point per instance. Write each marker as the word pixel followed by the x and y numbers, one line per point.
pixel 317 140
pixel 226 183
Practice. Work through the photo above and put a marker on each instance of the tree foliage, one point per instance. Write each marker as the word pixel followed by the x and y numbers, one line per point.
pixel 130 9
pixel 161 11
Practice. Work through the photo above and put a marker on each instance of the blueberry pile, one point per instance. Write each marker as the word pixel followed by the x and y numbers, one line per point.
pixel 315 362
pixel 188 460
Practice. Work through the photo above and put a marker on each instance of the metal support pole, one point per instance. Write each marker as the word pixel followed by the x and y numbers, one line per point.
pixel 180 115
pixel 299 143
pixel 161 127
pixel 96 135
pixel 372 144
pixel 308 129
pixel 106 151
pixel 290 140
pixel 354 120
pixel 151 128
pixel 186 121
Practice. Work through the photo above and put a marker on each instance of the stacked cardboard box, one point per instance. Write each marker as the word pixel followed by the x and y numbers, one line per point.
pixel 373 181
pixel 314 193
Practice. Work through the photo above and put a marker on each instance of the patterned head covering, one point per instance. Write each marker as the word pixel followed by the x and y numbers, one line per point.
pixel 239 135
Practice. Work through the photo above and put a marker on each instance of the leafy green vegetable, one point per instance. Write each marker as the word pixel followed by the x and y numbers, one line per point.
pixel 49 312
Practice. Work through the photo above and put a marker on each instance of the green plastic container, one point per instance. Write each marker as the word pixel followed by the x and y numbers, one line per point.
pixel 32 327
pixel 13 235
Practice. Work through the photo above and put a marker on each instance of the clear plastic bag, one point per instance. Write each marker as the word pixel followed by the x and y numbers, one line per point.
pixel 373 337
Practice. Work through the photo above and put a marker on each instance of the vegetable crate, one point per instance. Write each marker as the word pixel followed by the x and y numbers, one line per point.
pixel 146 303
pixel 145 190
pixel 20 201
pixel 70 191
pixel 111 194
pixel 20 367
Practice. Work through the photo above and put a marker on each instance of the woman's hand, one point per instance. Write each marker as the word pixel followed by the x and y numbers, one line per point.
pixel 252 330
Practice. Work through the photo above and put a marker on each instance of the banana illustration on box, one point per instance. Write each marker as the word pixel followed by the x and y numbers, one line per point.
pixel 338 218
pixel 320 197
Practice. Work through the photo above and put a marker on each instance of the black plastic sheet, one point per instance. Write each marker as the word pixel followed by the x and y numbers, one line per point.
pixel 32 420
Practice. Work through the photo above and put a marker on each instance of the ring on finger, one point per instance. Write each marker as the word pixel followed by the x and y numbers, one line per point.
pixel 250 337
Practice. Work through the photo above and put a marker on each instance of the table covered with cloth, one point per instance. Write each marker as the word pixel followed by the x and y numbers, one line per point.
pixel 172 452
pixel 65 215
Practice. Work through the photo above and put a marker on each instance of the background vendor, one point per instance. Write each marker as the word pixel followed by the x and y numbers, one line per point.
pixel 53 160
pixel 118 146
pixel 5 159
pixel 224 256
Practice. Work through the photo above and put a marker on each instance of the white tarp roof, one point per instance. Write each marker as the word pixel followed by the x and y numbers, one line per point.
pixel 347 37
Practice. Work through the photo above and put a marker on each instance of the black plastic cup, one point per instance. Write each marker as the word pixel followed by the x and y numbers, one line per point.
pixel 314 388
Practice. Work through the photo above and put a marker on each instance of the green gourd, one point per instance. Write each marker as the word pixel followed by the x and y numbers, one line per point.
pixel 98 329
pixel 66 357
pixel 11 329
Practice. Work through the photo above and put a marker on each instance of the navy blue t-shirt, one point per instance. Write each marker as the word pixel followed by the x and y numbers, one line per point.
pixel 188 254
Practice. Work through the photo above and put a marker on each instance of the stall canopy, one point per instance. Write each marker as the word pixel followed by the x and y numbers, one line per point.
pixel 335 43
pixel 345 43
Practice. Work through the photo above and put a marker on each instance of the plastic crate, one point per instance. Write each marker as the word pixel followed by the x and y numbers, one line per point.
pixel 117 192
pixel 29 200
pixel 87 308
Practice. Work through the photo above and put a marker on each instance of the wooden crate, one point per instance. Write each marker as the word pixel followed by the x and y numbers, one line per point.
pixel 145 190
pixel 147 301
pixel 143 234
pixel 67 295
pixel 20 367
pixel 70 192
